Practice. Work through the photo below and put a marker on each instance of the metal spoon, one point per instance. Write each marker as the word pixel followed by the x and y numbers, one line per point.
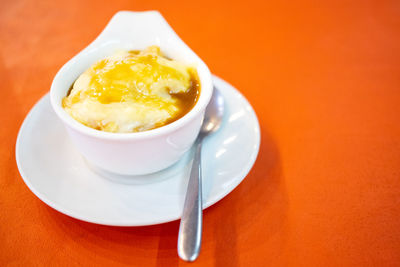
pixel 189 239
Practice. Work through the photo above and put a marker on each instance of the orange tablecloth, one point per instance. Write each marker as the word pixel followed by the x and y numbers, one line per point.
pixel 324 79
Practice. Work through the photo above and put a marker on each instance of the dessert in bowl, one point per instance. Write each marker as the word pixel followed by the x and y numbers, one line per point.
pixel 140 131
pixel 133 91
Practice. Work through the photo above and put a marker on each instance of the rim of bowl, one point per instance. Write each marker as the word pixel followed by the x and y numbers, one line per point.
pixel 204 98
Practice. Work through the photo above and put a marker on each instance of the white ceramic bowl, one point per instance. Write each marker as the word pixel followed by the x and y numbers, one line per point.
pixel 142 152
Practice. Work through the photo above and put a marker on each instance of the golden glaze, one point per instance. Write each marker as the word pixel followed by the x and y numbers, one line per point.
pixel 141 77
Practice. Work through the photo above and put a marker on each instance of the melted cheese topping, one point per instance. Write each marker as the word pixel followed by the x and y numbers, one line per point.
pixel 133 91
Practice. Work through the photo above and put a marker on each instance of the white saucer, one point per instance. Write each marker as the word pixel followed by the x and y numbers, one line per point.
pixel 57 174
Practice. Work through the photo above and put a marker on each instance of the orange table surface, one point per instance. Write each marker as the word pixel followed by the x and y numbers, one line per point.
pixel 324 80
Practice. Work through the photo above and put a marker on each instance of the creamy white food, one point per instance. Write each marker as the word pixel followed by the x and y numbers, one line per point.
pixel 133 91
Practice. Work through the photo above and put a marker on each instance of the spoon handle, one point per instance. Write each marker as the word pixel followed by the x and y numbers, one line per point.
pixel 189 238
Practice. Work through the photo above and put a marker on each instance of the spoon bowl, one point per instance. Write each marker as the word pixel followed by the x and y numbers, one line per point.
pixel 133 153
pixel 213 115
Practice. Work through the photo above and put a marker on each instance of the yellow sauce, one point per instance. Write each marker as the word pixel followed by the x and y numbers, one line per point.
pixel 133 91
